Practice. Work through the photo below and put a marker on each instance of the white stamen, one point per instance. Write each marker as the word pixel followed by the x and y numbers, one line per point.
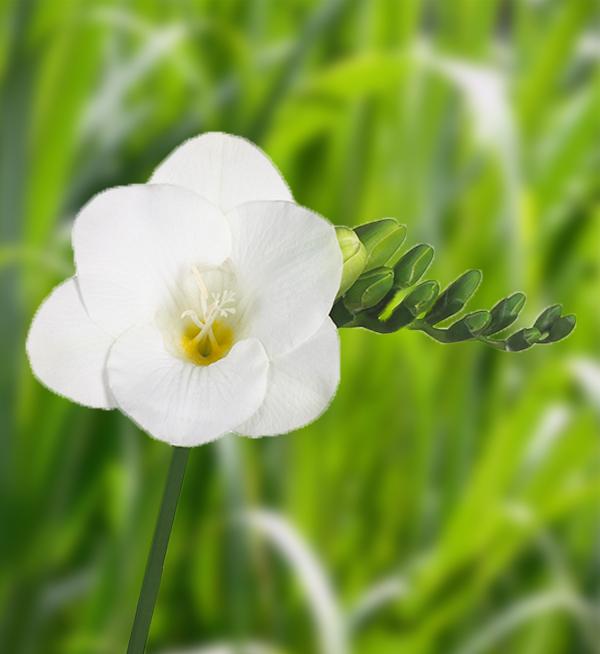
pixel 203 290
pixel 219 307
pixel 193 316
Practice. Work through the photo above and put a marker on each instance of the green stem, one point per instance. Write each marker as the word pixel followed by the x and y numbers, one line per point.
pixel 156 559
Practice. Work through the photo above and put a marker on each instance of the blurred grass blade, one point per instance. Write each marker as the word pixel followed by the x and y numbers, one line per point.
pixel 490 635
pixel 375 598
pixel 229 648
pixel 311 575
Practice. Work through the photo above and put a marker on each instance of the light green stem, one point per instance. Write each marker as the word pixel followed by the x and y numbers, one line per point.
pixel 156 559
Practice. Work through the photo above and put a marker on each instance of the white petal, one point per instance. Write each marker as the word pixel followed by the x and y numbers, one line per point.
pixel 227 170
pixel 132 245
pixel 181 403
pixel 67 351
pixel 301 385
pixel 288 266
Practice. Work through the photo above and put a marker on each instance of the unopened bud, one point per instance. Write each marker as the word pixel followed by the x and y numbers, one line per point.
pixel 422 297
pixel 383 240
pixel 354 256
pixel 369 289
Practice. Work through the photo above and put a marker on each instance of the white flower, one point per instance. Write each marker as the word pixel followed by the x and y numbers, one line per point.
pixel 200 304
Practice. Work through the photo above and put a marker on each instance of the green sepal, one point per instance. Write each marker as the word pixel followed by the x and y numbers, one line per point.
pixel 465 329
pixel 469 327
pixel 354 257
pixel 413 265
pixel 369 289
pixel 454 298
pixel 383 240
pixel 419 300
pixel 400 317
pixel 340 315
pixel 523 339
pixel 504 313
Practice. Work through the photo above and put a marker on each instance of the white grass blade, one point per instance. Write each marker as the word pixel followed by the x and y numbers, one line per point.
pixel 326 612
pixel 107 116
pixel 485 91
pixel 551 427
pixel 385 592
pixel 228 648
pixel 587 373
pixel 491 634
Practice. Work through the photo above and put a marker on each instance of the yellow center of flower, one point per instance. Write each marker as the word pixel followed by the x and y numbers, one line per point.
pixel 206 336
pixel 208 347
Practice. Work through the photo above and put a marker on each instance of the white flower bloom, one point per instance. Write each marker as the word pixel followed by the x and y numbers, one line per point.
pixel 201 301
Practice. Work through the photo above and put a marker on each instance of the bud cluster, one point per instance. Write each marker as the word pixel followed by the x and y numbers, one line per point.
pixel 381 291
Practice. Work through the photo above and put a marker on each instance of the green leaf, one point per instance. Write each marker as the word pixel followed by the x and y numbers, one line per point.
pixel 383 240
pixel 413 265
pixel 504 313
pixel 454 298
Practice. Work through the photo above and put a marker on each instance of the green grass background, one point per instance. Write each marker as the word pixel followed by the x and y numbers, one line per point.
pixel 450 497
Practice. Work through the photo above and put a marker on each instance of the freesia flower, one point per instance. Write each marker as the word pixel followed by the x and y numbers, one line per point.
pixel 200 304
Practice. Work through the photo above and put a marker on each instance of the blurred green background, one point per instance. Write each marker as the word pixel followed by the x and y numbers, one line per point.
pixel 449 500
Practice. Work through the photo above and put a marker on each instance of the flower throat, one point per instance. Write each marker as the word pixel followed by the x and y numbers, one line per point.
pixel 206 335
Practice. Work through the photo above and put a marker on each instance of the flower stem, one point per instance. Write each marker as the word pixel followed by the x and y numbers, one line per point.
pixel 156 559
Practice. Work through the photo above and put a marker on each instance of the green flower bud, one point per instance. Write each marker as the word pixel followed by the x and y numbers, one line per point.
pixel 413 265
pixel 422 297
pixel 548 317
pixel 354 256
pixel 383 240
pixel 369 289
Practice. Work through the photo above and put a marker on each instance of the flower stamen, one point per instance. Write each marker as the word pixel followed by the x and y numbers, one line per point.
pixel 208 339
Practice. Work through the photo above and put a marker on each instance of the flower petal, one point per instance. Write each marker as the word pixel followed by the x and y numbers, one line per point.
pixel 227 170
pixel 178 402
pixel 67 351
pixel 301 385
pixel 133 243
pixel 288 266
